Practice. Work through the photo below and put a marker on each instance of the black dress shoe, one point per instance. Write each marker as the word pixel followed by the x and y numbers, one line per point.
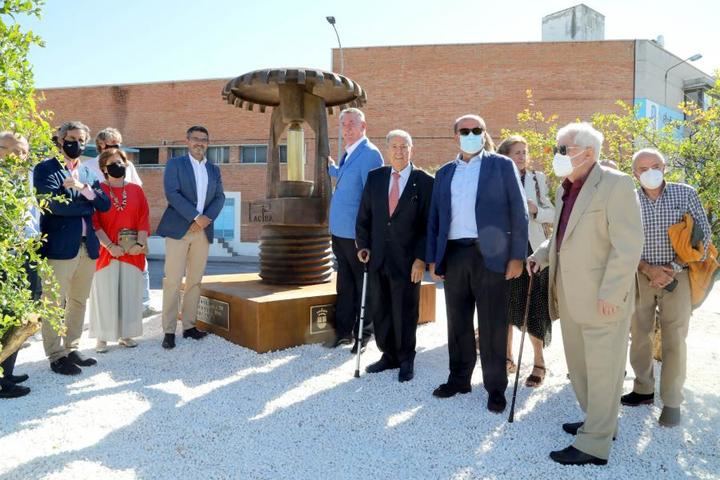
pixel 573 456
pixel 633 399
pixel 64 366
pixel 169 341
pixel 496 402
pixel 194 333
pixel 381 365
pixel 10 390
pixel 16 378
pixel 339 341
pixel 407 371
pixel 573 427
pixel 447 390
pixel 363 345
pixel 81 361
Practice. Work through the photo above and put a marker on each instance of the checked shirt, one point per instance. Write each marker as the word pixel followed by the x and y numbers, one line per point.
pixel 676 200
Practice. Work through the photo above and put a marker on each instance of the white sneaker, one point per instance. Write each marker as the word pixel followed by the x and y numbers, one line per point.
pixel 101 347
pixel 127 343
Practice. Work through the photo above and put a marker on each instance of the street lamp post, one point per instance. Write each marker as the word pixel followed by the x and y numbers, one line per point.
pixel 331 21
pixel 692 58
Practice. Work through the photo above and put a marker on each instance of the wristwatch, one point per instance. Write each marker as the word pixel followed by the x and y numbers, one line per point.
pixel 677 268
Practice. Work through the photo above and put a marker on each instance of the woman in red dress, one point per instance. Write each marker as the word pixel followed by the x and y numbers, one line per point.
pixel 117 291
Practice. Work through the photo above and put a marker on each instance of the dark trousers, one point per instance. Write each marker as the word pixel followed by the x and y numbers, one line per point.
pixel 393 303
pixel 8 365
pixel 469 285
pixel 349 289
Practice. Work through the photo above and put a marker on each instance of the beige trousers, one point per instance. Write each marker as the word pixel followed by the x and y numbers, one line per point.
pixel 74 277
pixel 187 256
pixel 673 312
pixel 595 356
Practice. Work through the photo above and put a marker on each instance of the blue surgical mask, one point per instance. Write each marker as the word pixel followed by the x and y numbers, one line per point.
pixel 472 143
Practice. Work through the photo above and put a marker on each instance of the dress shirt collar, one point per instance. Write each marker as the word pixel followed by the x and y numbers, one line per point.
pixel 476 158
pixel 197 162
pixel 405 172
pixel 351 148
pixel 577 184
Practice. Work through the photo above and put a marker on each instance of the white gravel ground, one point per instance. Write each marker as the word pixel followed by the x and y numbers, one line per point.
pixel 211 409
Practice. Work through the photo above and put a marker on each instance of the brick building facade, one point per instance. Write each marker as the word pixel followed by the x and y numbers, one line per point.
pixel 421 89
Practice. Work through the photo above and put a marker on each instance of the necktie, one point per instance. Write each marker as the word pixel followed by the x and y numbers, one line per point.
pixel 394 192
pixel 342 160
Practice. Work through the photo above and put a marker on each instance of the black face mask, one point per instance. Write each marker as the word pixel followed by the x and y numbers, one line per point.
pixel 116 170
pixel 73 149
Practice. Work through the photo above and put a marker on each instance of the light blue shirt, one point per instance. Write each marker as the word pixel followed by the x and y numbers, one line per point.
pixel 32 223
pixel 463 194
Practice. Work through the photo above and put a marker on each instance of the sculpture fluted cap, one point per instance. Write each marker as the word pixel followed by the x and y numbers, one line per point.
pixel 260 87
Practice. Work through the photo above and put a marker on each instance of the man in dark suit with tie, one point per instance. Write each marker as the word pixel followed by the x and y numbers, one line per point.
pixel 195 196
pixel 69 243
pixel 390 234
pixel 477 240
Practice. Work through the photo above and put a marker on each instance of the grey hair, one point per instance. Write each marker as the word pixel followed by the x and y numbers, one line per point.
pixel 73 125
pixel 648 151
pixel 468 116
pixel 353 111
pixel 8 135
pixel 584 135
pixel 108 133
pixel 398 133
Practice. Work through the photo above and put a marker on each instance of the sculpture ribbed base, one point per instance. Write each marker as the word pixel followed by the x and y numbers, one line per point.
pixel 291 255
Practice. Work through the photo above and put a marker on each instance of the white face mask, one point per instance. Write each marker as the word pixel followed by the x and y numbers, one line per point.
pixel 562 164
pixel 651 179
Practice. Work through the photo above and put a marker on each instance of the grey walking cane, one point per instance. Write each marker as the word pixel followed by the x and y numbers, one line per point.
pixel 522 341
pixel 358 337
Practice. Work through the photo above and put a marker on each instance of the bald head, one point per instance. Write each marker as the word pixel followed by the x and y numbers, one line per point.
pixel 12 143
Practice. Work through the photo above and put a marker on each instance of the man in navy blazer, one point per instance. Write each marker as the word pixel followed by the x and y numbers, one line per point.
pixel 477 240
pixel 350 175
pixel 195 196
pixel 69 241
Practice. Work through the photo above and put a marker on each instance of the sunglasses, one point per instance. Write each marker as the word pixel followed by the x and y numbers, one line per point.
pixel 467 131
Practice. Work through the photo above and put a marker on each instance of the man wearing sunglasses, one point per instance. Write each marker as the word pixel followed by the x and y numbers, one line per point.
pixel 593 257
pixel 477 240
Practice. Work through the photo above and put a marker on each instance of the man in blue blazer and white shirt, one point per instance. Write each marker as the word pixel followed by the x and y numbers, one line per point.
pixel 477 241
pixel 69 242
pixel 195 196
pixel 350 175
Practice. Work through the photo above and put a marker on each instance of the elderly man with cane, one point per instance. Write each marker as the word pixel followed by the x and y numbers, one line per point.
pixel 593 255
pixel 390 234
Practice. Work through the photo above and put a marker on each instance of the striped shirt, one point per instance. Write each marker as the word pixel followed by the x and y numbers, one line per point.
pixel 675 200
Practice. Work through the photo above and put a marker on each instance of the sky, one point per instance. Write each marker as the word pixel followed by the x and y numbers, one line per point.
pixel 98 42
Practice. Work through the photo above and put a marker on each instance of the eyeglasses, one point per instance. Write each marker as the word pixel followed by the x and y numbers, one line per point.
pixel 199 139
pixel 466 131
pixel 564 149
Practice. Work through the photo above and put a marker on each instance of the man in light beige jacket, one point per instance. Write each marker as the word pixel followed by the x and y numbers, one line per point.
pixel 593 255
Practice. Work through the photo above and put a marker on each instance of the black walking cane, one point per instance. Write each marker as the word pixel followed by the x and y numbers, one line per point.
pixel 358 337
pixel 522 341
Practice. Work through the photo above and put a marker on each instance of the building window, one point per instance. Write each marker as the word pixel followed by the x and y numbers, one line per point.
pixel 148 156
pixel 258 153
pixel 177 152
pixel 218 154
pixel 224 225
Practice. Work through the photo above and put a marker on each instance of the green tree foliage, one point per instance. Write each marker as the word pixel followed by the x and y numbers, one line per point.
pixel 19 313
pixel 691 146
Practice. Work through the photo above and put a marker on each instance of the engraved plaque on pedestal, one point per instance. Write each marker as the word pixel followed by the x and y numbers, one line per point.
pixel 322 318
pixel 214 312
